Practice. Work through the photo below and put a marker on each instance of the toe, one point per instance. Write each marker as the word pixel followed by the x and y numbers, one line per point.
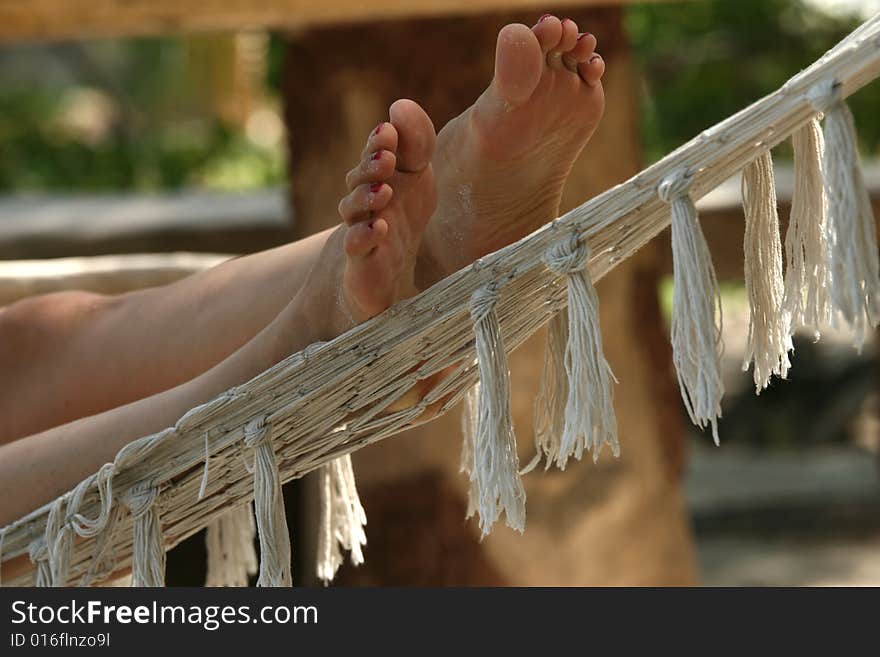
pixel 416 135
pixel 548 30
pixel 566 43
pixel 383 137
pixel 591 70
pixel 375 167
pixel 583 49
pixel 364 236
pixel 518 63
pixel 364 199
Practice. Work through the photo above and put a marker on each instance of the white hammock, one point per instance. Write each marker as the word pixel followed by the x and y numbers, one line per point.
pixel 319 405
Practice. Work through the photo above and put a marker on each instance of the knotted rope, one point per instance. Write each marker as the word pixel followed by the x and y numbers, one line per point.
pixel 495 471
pixel 696 308
pixel 576 372
pixel 855 270
pixel 275 565
pixel 807 275
pixel 148 544
pixel 769 339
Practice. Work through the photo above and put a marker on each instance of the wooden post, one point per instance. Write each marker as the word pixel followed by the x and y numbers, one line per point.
pixel 225 73
pixel 618 522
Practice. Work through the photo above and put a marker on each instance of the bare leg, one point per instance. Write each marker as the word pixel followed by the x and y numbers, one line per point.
pixel 501 165
pixel 134 345
pixel 367 264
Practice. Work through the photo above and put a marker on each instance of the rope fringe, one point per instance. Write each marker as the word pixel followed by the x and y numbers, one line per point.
pixel 64 522
pixel 342 519
pixel 148 544
pixel 38 552
pixel 807 278
pixel 230 545
pixel 59 542
pixel 589 411
pixel 269 507
pixel 103 561
pixel 696 309
pixel 87 527
pixel 855 271
pixel 422 334
pixel 769 340
pixel 469 419
pixel 495 471
pixel 552 394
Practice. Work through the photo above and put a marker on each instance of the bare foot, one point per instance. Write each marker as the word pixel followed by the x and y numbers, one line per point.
pixel 501 164
pixel 370 260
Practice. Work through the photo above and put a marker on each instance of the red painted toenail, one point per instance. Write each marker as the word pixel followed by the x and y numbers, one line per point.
pixel 375 187
pixel 371 225
pixel 544 17
pixel 375 156
pixel 378 128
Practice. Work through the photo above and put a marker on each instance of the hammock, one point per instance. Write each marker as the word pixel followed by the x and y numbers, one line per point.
pixel 313 409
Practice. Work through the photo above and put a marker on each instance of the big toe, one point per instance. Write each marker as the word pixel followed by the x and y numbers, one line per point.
pixel 416 135
pixel 518 63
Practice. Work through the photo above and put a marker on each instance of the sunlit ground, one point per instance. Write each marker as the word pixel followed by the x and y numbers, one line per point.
pixel 792 496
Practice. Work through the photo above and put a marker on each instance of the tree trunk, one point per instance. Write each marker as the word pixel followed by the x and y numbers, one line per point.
pixel 617 522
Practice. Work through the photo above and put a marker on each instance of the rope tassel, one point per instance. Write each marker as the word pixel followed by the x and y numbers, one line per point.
pixel 589 412
pixel 552 394
pixel 696 304
pixel 807 281
pixel 269 507
pixel 855 271
pixel 59 542
pixel 769 340
pixel 230 545
pixel 342 518
pixel 148 544
pixel 469 417
pixel 38 552
pixel 495 471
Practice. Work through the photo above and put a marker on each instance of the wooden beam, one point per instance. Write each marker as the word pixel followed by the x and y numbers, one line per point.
pixel 414 482
pixel 101 274
pixel 52 226
pixel 29 20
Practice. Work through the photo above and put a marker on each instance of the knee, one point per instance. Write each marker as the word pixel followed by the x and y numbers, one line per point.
pixel 27 325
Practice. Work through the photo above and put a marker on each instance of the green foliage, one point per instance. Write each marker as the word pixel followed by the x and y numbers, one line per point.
pixel 125 114
pixel 38 154
pixel 122 116
pixel 702 61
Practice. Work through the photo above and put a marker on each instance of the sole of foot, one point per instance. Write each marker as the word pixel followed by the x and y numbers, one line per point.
pixel 501 165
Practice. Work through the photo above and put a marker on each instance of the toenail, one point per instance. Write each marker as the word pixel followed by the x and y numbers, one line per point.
pixel 375 156
pixel 544 17
pixel 594 58
pixel 378 128
pixel 375 187
pixel 583 34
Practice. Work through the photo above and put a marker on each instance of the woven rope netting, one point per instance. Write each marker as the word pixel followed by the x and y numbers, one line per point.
pixel 340 396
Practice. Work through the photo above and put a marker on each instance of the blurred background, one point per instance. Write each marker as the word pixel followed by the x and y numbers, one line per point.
pixel 137 149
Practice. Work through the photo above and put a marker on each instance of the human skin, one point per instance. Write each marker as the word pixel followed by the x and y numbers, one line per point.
pixel 87 374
